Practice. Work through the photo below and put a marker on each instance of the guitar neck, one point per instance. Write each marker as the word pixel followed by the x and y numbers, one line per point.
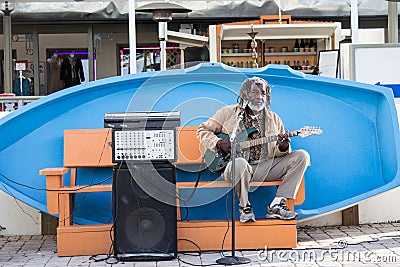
pixel 263 140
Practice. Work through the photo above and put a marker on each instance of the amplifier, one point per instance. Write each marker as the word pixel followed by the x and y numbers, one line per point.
pixel 142 136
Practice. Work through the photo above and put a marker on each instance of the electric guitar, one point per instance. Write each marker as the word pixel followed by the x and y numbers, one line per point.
pixel 217 163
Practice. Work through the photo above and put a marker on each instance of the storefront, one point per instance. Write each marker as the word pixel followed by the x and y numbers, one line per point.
pixel 89 45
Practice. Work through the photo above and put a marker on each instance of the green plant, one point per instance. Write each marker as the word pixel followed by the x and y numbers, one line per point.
pixel 2 227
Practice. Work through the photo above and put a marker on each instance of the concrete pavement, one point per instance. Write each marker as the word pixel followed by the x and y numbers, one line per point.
pixel 364 245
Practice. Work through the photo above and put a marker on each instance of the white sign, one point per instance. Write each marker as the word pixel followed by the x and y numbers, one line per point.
pixel 20 66
pixel 373 63
pixel 328 63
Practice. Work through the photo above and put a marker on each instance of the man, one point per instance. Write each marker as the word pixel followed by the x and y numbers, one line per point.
pixel 265 162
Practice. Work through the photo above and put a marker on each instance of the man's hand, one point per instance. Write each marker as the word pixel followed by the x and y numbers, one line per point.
pixel 224 147
pixel 283 141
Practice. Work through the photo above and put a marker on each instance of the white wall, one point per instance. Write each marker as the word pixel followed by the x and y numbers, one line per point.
pixel 334 218
pixel 17 217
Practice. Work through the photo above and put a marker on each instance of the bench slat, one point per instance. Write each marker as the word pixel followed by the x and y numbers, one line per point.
pixel 219 184
pixel 53 171
pixel 85 188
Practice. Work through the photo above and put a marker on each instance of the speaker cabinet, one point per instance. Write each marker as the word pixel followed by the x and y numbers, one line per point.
pixel 144 211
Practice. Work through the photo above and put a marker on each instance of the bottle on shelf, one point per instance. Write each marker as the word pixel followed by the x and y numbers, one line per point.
pixel 236 48
pixel 302 45
pixel 296 46
pixel 306 46
pixel 294 65
pixel 249 44
pixel 297 65
pixel 312 45
pixel 305 65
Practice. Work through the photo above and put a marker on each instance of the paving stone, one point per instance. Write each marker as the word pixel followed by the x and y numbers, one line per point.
pixel 186 260
pixel 354 264
pixel 370 231
pixel 255 256
pixel 391 230
pixel 210 256
pixel 5 257
pixel 169 263
pixel 38 237
pixel 278 264
pixel 320 237
pixel 120 264
pixel 373 246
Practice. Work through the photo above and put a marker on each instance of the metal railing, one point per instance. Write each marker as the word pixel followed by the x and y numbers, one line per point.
pixel 11 103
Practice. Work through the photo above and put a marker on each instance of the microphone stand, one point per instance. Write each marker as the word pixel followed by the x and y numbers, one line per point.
pixel 234 260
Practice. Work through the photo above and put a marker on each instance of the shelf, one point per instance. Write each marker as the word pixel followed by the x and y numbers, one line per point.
pixel 291 54
pixel 279 31
pixel 236 54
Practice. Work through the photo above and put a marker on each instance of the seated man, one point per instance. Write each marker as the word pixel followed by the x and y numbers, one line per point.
pixel 261 162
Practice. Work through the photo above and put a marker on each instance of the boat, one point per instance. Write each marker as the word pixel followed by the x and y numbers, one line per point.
pixel 355 158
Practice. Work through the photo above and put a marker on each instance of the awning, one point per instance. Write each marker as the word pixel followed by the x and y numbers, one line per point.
pixel 43 10
pixel 186 38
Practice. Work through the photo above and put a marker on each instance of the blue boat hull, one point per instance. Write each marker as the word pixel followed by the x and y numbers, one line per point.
pixel 355 158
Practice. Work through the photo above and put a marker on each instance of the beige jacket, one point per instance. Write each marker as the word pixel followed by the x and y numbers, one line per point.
pixel 224 121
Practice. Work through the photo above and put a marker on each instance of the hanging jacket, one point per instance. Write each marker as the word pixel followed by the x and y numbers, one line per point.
pixel 72 72
pixel 26 90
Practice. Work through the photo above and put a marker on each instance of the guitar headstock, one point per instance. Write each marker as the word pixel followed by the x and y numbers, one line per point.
pixel 308 131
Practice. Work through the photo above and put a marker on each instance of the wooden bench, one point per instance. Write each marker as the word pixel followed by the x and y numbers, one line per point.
pixel 90 148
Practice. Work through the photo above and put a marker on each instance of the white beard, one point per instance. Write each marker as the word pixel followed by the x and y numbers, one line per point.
pixel 256 108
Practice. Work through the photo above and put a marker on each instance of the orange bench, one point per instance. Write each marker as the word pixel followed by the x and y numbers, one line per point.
pixel 90 148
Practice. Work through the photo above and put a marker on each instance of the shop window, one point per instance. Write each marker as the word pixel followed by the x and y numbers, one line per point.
pixel 66 68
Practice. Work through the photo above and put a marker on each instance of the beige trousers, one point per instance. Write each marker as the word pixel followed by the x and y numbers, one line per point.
pixel 290 168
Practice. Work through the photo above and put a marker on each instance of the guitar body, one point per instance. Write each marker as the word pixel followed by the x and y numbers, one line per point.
pixel 216 162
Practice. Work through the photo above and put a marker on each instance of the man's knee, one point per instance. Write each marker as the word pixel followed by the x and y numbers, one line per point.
pixel 302 156
pixel 243 168
pixel 241 163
